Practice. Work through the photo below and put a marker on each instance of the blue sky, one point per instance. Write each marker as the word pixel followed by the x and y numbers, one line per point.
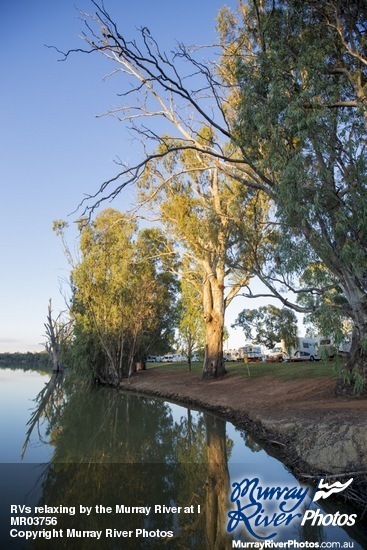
pixel 54 149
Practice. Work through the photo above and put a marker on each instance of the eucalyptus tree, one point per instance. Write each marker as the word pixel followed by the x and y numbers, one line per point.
pixel 101 284
pixel 206 213
pixel 122 302
pixel 268 325
pixel 204 208
pixel 153 296
pixel 300 74
pixel 289 93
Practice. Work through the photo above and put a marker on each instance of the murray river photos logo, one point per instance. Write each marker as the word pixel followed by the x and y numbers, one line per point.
pixel 264 510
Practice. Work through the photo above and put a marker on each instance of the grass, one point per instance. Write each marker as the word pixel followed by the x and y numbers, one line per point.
pixel 283 371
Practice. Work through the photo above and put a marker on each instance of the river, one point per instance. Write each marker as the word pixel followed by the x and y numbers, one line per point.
pixel 145 467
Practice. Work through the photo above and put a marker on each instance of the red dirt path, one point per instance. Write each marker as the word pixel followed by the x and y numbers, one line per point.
pixel 254 398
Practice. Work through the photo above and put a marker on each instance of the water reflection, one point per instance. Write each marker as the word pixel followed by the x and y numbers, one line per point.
pixel 118 449
pixel 121 449
pixel 50 403
pixel 311 533
pixel 218 485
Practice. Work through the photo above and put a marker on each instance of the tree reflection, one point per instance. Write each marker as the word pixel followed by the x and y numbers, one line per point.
pixel 114 448
pixel 50 403
pixel 105 426
pixel 217 484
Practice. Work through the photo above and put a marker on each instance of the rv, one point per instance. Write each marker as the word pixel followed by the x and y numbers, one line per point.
pixel 232 355
pixel 179 358
pixel 327 348
pixel 306 350
pixel 252 353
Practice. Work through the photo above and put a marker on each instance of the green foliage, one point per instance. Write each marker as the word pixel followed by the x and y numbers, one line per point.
pixel 268 325
pixel 294 75
pixel 327 309
pixel 123 303
pixel 156 305
pixel 225 334
pixel 217 226
pixel 299 73
pixel 354 380
pixel 84 355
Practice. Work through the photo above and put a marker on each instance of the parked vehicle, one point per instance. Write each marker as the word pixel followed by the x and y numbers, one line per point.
pixel 327 349
pixel 179 358
pixel 153 359
pixel 252 353
pixel 277 354
pixel 303 356
pixel 344 348
pixel 231 355
pixel 167 359
pixel 306 345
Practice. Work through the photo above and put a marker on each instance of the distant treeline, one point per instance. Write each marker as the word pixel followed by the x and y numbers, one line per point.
pixel 29 360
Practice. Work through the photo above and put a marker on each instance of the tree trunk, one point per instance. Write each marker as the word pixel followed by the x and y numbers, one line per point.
pixel 111 371
pixel 132 357
pixel 53 343
pixel 354 375
pixel 141 364
pixel 190 345
pixel 214 323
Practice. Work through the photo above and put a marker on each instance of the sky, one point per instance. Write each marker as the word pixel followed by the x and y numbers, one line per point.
pixel 54 148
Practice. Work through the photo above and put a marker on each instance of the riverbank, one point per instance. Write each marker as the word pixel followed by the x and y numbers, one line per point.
pixel 302 421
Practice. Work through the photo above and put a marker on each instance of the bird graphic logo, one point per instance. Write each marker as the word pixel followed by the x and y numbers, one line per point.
pixel 324 489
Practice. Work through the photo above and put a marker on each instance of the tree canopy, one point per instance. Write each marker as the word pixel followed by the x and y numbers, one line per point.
pixel 268 325
pixel 286 111
pixel 123 303
pixel 299 72
pixel 211 217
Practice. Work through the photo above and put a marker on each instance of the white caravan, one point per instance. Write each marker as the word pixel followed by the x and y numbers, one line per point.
pixel 306 350
pixel 327 349
pixel 252 353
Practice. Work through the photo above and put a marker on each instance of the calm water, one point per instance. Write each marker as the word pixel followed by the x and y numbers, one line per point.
pixel 63 445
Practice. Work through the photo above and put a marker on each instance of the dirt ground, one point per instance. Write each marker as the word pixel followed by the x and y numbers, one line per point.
pixel 301 422
pixel 254 398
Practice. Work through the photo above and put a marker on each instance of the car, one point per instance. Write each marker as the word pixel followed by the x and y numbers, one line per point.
pixel 275 358
pixel 304 356
pixel 277 354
